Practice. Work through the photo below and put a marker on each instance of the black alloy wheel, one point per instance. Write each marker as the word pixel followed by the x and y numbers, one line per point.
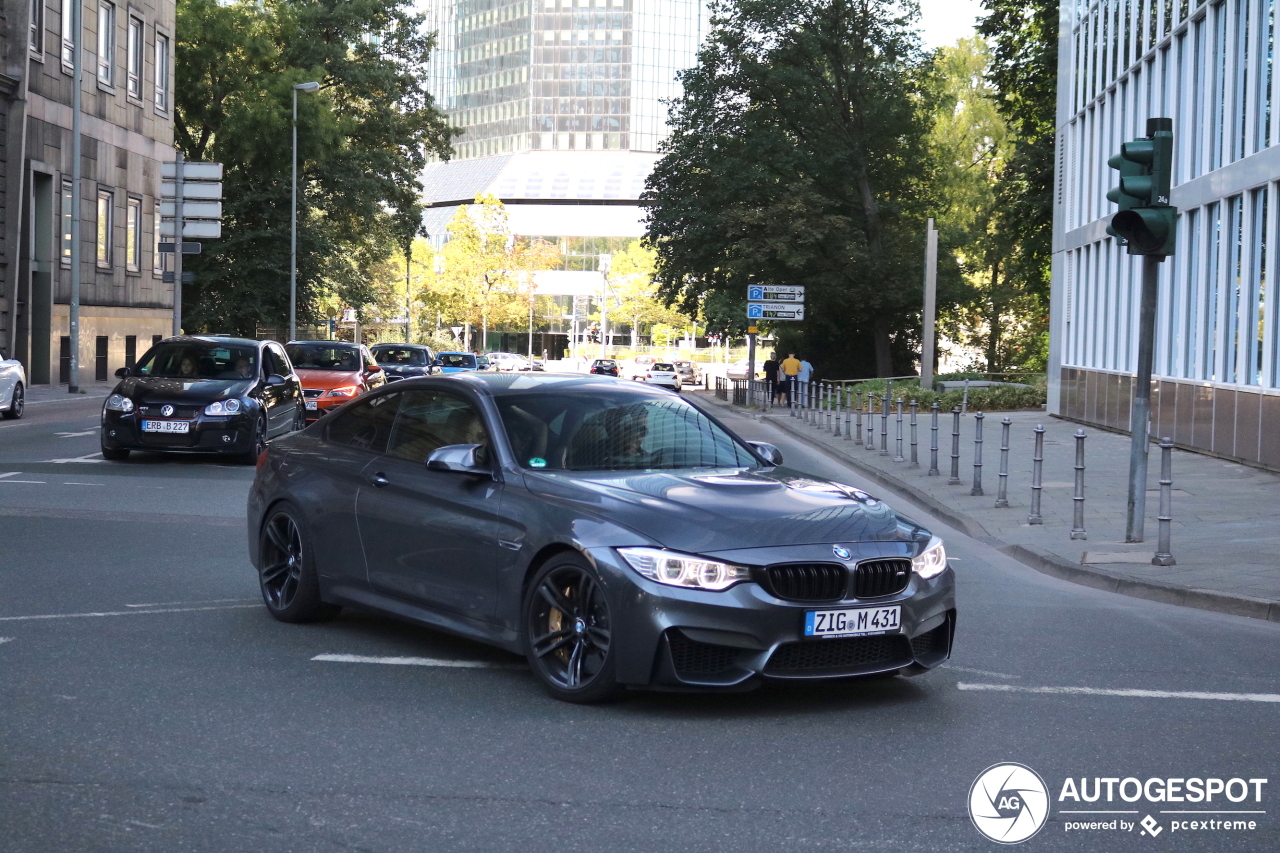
pixel 568 633
pixel 257 441
pixel 18 405
pixel 288 579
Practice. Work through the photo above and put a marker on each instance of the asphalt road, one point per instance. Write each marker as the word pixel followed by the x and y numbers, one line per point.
pixel 149 703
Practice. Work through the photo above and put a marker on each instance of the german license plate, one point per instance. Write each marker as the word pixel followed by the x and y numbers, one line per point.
pixel 853 623
pixel 166 426
pixel 312 405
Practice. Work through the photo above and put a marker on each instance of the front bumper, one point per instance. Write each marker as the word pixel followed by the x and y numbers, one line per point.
pixel 324 405
pixel 206 434
pixel 688 639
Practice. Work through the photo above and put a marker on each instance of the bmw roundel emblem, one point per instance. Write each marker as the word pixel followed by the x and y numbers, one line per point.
pixel 166 410
pixel 842 552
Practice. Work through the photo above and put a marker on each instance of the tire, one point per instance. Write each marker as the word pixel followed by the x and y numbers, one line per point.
pixel 257 442
pixel 17 405
pixel 287 577
pixel 574 663
pixel 115 454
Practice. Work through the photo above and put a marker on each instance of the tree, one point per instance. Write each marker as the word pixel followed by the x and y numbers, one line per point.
pixel 487 277
pixel 798 156
pixel 632 282
pixel 362 141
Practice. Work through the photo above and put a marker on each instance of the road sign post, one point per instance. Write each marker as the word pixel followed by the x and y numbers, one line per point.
pixel 190 207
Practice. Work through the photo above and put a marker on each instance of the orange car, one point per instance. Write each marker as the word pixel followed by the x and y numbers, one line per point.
pixel 333 372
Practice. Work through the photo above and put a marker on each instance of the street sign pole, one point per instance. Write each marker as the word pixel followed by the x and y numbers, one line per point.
pixel 1140 416
pixel 177 239
pixel 930 306
pixel 751 356
pixel 73 308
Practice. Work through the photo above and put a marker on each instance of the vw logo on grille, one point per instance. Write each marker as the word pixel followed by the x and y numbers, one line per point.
pixel 166 410
pixel 842 552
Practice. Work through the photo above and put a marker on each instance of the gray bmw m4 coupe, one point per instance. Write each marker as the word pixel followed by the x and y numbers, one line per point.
pixel 615 534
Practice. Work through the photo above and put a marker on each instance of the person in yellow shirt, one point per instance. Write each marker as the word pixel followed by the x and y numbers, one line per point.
pixel 790 369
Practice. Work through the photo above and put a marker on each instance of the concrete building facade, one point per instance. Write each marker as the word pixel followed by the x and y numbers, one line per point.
pixel 127 101
pixel 1209 67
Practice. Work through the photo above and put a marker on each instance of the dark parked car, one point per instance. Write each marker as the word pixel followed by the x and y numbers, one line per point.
pixel 404 361
pixel 614 534
pixel 604 367
pixel 203 394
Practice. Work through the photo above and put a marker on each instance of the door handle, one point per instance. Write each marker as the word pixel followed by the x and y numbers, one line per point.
pixel 379 480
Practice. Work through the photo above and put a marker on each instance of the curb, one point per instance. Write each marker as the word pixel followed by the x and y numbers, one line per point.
pixel 1035 558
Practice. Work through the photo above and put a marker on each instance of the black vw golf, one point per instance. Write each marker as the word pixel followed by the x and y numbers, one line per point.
pixel 614 534
pixel 203 394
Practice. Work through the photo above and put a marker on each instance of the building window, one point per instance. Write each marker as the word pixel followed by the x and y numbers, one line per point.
pixel 106 43
pixel 67 221
pixel 68 35
pixel 132 245
pixel 135 57
pixel 162 72
pixel 157 259
pixel 104 228
pixel 37 26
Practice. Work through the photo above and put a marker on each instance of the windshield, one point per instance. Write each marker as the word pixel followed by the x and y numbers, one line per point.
pixel 456 359
pixel 400 355
pixel 598 429
pixel 323 356
pixel 660 368
pixel 199 360
pixel 605 362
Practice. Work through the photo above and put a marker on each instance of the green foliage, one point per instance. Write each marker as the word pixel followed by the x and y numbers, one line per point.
pixel 362 141
pixel 798 155
pixel 1029 393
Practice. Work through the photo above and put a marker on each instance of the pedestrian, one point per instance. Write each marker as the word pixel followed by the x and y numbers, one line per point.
pixel 791 370
pixel 804 376
pixel 771 376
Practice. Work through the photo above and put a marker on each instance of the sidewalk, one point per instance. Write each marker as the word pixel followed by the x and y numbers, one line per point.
pixel 58 393
pixel 1226 517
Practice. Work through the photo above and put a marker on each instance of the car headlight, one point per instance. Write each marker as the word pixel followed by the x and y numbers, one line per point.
pixel 931 561
pixel 222 407
pixel 686 570
pixel 119 403
pixel 349 391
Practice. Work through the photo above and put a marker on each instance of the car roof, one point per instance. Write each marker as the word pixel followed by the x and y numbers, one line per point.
pixel 399 346
pixel 211 339
pixel 324 343
pixel 502 384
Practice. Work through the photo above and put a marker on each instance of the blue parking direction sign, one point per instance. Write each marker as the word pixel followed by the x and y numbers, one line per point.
pixel 775 311
pixel 775 293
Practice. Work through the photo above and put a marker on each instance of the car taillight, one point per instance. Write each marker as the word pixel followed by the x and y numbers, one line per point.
pixel 262 460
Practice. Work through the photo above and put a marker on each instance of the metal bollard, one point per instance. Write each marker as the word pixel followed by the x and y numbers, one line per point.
pixel 839 404
pixel 933 442
pixel 1002 492
pixel 955 447
pixel 848 416
pixel 884 425
pixel 831 404
pixel 897 456
pixel 915 457
pixel 871 421
pixel 1163 555
pixel 858 417
pixel 1037 471
pixel 977 456
pixel 1077 527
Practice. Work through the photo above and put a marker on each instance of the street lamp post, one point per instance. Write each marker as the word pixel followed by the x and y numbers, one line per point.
pixel 293 216
pixel 605 262
pixel 73 306
pixel 408 291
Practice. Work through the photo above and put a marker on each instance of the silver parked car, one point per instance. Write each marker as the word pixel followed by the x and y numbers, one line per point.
pixel 13 388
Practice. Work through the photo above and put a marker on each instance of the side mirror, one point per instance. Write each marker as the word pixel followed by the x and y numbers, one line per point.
pixel 122 372
pixel 459 459
pixel 275 380
pixel 767 452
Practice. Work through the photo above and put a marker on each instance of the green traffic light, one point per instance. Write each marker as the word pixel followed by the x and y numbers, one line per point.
pixel 1146 223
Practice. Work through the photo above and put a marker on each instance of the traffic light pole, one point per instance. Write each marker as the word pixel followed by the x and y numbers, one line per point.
pixel 1140 415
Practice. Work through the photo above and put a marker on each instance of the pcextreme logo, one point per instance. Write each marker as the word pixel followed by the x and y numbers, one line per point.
pixel 1008 803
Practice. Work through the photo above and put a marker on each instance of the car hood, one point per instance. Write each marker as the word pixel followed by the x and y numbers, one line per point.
pixel 326 379
pixel 704 511
pixel 144 388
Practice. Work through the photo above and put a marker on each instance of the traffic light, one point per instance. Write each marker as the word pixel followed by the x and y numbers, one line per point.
pixel 1146 223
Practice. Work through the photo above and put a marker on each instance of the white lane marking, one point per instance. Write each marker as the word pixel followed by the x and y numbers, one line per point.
pixel 75 434
pixel 88 457
pixel 84 484
pixel 450 664
pixel 4 640
pixel 122 613
pixel 10 474
pixel 180 603
pixel 27 482
pixel 980 671
pixel 1139 694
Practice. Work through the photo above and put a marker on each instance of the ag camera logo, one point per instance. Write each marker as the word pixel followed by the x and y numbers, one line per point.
pixel 1008 803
